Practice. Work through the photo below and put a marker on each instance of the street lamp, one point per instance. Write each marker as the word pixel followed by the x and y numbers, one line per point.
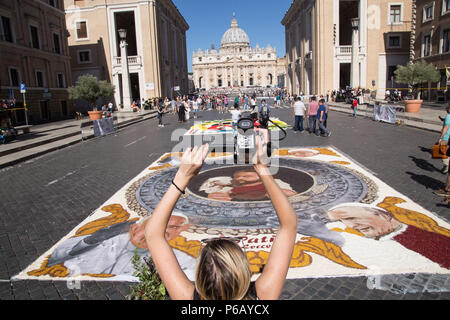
pixel 122 34
pixel 126 96
pixel 354 76
pixel 355 23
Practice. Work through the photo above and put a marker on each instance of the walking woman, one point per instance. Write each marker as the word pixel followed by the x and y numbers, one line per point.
pixel 181 111
pixel 223 271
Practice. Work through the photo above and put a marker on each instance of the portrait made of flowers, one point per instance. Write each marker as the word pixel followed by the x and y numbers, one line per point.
pixel 350 223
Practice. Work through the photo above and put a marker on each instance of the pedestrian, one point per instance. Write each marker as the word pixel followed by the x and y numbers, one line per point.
pixel 195 108
pixel 444 139
pixel 235 116
pixel 187 106
pixel 160 113
pixel 354 106
pixel 173 105
pixel 223 271
pixel 225 104
pixel 181 111
pixel 264 109
pixel 325 123
pixel 313 106
pixel 253 103
pixel 245 103
pixel 321 117
pixel 200 103
pixel 219 104
pixel 298 112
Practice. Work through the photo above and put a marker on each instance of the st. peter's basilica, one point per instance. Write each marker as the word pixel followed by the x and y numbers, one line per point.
pixel 236 64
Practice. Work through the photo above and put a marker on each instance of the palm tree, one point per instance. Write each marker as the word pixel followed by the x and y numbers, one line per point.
pixel 412 41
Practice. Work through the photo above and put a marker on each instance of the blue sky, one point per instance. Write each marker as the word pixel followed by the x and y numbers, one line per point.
pixel 209 19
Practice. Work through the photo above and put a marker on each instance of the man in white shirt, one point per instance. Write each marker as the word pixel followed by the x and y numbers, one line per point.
pixel 195 107
pixel 298 113
pixel 200 103
pixel 235 116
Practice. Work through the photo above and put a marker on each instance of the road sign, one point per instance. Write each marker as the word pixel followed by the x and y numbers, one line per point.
pixel 23 88
pixel 177 88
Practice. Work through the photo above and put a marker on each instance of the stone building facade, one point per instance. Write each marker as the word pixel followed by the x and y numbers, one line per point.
pixel 236 64
pixel 34 51
pixel 432 41
pixel 319 44
pixel 156 50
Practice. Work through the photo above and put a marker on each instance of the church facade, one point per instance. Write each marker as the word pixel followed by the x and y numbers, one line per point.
pixel 236 64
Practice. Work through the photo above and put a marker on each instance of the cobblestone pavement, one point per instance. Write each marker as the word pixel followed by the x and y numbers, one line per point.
pixel 45 198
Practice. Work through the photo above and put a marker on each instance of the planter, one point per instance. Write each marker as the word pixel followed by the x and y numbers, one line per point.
pixel 413 105
pixel 95 115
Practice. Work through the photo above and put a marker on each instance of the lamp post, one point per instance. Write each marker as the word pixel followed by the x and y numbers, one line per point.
pixel 354 75
pixel 126 96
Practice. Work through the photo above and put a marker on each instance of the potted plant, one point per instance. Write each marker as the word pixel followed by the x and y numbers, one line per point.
pixel 150 286
pixel 90 88
pixel 416 74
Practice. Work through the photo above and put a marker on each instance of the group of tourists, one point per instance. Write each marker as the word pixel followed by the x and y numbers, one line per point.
pixel 315 114
pixel 189 106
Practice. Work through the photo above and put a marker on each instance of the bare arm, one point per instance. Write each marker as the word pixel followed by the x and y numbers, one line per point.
pixel 173 277
pixel 270 284
pixel 443 132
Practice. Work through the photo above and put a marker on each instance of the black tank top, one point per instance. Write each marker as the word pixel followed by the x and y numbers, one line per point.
pixel 251 293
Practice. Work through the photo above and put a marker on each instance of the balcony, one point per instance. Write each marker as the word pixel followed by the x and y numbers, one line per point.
pixel 344 50
pixel 132 61
pixel 347 50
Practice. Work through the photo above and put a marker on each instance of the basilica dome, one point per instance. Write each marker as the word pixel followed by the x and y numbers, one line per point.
pixel 234 36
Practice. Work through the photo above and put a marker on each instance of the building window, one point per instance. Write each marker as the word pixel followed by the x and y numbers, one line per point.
pixel 34 33
pixel 82 32
pixel 428 12
pixel 446 41
pixel 394 42
pixel 395 13
pixel 200 59
pixel 6 31
pixel 39 79
pixel 219 83
pixel 61 83
pixel 426 46
pixel 56 44
pixel 445 6
pixel 84 56
pixel 14 77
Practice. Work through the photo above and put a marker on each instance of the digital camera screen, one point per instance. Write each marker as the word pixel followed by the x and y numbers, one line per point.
pixel 246 124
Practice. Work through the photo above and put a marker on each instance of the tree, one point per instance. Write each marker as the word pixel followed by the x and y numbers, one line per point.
pixel 90 88
pixel 415 74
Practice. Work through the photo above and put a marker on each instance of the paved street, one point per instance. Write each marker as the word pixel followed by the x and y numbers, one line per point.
pixel 43 199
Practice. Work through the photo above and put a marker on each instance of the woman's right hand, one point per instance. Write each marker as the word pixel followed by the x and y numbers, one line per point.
pixel 191 163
